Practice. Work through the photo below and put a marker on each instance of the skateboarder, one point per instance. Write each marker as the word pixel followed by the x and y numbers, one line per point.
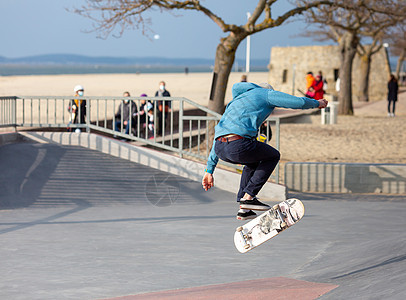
pixel 235 140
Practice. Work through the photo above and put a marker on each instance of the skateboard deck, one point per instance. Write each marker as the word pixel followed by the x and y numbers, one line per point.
pixel 268 225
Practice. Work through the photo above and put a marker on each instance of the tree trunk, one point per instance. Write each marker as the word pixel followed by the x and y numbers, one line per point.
pixel 364 77
pixel 399 64
pixel 225 56
pixel 348 47
pixel 222 68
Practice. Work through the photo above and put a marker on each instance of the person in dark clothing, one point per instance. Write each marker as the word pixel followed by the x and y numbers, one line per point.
pixel 392 95
pixel 146 115
pixel 126 111
pixel 77 108
pixel 164 107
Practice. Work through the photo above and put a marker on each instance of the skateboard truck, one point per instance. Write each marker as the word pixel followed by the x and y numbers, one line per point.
pixel 282 216
pixel 244 237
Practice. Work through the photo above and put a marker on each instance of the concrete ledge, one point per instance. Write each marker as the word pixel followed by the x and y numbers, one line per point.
pixel 346 178
pixel 224 180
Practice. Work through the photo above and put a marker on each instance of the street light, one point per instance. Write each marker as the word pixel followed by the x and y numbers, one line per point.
pixel 247 57
pixel 386 47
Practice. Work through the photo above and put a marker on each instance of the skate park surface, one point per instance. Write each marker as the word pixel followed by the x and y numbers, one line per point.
pixel 79 224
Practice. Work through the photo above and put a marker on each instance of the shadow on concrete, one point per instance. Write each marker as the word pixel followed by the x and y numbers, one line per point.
pixel 355 176
pixel 47 175
pixel 393 260
pixel 26 167
pixel 14 226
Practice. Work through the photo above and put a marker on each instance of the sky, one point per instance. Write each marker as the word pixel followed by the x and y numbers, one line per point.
pixel 47 27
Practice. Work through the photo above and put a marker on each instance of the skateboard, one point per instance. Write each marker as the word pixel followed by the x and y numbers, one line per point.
pixel 268 225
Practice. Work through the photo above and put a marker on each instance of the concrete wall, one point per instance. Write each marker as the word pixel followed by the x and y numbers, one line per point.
pixel 346 178
pixel 224 180
pixel 297 61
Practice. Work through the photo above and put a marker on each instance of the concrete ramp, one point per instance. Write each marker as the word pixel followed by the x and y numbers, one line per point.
pixel 80 224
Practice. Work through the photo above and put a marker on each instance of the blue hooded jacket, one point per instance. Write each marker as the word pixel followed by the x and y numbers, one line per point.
pixel 250 107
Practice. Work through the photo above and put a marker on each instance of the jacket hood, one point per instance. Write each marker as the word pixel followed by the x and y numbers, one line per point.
pixel 243 87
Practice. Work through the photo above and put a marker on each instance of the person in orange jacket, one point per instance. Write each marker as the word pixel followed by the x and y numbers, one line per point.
pixel 309 85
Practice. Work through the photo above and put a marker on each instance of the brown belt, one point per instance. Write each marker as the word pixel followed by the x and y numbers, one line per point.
pixel 229 139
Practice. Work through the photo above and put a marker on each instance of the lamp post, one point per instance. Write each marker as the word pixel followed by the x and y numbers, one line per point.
pixel 386 47
pixel 247 57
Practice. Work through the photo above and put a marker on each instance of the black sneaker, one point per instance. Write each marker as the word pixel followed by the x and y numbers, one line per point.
pixel 246 215
pixel 254 204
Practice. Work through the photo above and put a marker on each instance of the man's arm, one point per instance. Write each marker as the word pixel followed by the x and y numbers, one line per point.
pixel 212 160
pixel 280 99
pixel 208 179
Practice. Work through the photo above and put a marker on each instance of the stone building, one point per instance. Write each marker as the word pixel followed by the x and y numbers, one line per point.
pixel 289 66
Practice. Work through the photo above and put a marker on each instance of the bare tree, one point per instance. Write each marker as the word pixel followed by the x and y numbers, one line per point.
pixel 366 53
pixel 397 38
pixel 109 14
pixel 382 23
pixel 346 22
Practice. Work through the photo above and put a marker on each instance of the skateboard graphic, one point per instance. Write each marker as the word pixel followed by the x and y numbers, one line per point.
pixel 268 225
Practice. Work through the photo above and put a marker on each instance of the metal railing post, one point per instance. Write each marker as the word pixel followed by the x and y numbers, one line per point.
pixel 14 113
pixel 181 128
pixel 87 103
pixel 277 122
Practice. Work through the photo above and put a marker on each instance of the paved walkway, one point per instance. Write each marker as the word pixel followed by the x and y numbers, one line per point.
pixel 380 108
pixel 370 109
pixel 78 224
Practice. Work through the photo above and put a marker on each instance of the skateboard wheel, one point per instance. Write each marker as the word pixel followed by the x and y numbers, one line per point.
pixel 239 228
pixel 247 246
pixel 283 225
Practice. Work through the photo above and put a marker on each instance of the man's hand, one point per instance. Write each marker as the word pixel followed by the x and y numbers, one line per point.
pixel 322 103
pixel 207 181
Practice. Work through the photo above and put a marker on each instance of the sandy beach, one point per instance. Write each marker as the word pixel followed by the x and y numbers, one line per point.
pixel 370 136
pixel 194 86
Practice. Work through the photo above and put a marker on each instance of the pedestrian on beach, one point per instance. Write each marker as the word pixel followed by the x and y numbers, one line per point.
pixel 235 140
pixel 149 126
pixel 318 88
pixel 164 107
pixel 320 73
pixel 393 88
pixel 146 109
pixel 309 85
pixel 126 113
pixel 77 107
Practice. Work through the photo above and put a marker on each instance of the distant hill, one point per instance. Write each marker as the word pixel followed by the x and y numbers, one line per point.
pixel 71 59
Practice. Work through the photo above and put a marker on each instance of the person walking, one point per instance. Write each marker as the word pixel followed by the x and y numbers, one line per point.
pixel 235 140
pixel 393 88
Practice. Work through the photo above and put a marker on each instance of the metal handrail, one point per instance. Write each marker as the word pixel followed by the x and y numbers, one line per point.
pixel 182 128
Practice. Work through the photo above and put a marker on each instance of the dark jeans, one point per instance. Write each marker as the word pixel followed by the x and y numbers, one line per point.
pixel 259 160
pixel 393 106
pixel 127 127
